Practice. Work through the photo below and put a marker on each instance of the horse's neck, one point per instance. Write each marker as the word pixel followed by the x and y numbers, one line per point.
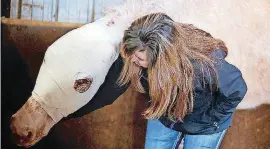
pixel 114 27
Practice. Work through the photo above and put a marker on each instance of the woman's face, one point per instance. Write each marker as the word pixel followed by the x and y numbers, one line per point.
pixel 139 57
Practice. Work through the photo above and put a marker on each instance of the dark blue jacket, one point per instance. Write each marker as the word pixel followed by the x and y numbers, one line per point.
pixel 212 111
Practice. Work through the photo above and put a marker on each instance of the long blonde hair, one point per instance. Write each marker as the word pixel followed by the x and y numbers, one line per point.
pixel 171 49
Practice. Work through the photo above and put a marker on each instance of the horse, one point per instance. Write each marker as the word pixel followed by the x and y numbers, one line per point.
pixel 75 66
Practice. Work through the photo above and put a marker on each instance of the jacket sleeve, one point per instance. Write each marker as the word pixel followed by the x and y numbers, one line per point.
pixel 231 89
pixel 107 93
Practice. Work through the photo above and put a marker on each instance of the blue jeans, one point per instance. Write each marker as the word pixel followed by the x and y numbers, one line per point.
pixel 160 137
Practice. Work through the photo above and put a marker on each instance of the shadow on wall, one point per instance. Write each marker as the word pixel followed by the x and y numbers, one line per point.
pixel 16 88
pixel 5 8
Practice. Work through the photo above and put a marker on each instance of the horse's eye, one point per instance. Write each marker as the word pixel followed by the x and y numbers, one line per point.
pixel 82 82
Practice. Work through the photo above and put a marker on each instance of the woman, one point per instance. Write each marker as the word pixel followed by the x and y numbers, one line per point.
pixel 193 91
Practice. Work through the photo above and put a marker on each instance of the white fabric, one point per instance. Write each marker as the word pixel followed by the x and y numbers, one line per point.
pixel 89 50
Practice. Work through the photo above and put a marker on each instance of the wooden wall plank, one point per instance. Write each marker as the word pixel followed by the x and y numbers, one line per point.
pixel 90 11
pixel 83 6
pixel 63 11
pixel 47 10
pixel 26 13
pixel 55 10
pixel 14 9
pixel 37 10
pixel 74 15
pixel 98 7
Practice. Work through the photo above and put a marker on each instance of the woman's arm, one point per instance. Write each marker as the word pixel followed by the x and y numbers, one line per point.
pixel 231 89
pixel 108 92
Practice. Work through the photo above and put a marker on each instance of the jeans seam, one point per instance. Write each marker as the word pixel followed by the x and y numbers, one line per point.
pixel 220 138
pixel 176 141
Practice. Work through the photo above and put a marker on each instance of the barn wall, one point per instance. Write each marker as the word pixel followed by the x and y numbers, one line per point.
pixel 118 126
pixel 73 11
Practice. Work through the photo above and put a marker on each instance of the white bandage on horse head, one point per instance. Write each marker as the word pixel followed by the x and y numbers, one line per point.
pixel 73 69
